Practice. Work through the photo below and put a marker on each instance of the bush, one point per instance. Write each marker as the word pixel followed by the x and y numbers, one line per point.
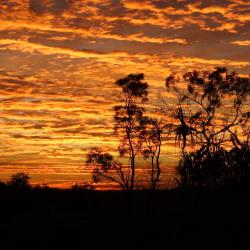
pixel 19 180
pixel 215 169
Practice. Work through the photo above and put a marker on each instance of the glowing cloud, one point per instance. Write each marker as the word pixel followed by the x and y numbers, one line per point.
pixel 59 60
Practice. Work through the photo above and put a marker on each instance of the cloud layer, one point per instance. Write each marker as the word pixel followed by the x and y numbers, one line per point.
pixel 60 58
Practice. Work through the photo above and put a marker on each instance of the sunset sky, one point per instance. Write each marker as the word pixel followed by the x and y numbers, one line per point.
pixel 60 59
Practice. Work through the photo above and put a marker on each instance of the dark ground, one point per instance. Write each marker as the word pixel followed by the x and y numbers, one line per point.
pixel 57 219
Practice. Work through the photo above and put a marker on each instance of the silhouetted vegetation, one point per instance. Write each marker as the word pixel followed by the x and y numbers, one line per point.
pixel 152 136
pixel 216 169
pixel 139 134
pixel 83 219
pixel 211 108
pixel 19 180
pixel 105 167
pixel 208 210
pixel 212 116
pixel 82 186
pixel 128 118
pixel 210 122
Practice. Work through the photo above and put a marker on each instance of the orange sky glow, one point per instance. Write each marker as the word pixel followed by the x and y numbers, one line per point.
pixel 60 59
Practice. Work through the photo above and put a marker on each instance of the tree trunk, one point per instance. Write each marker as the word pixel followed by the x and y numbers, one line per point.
pixel 132 179
pixel 152 173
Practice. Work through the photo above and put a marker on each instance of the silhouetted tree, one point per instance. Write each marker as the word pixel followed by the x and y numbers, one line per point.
pixel 82 186
pixel 19 180
pixel 211 107
pixel 239 164
pixel 105 167
pixel 203 170
pixel 211 115
pixel 43 186
pixel 128 117
pixel 2 185
pixel 151 134
pixel 215 169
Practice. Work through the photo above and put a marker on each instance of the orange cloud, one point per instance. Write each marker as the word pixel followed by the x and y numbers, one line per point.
pixel 242 43
pixel 56 98
pixel 138 37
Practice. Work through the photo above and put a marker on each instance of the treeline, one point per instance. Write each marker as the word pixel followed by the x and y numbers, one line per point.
pixel 208 118
pixel 209 121
pixel 21 181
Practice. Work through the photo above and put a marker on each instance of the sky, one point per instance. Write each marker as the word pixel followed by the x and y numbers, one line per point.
pixel 59 60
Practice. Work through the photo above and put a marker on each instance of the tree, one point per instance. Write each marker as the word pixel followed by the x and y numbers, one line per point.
pixel 211 108
pixel 2 185
pixel 240 160
pixel 82 187
pixel 152 136
pixel 20 180
pixel 128 116
pixel 215 169
pixel 105 167
pixel 212 116
pixel 203 170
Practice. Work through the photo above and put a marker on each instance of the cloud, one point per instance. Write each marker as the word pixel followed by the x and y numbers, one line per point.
pixel 242 43
pixel 33 137
pixel 194 61
pixel 88 33
pixel 60 59
pixel 29 47
pixel 113 56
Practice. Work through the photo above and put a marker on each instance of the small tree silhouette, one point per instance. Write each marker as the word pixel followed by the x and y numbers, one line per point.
pixel 82 187
pixel 105 167
pixel 19 180
pixel 151 134
pixel 2 184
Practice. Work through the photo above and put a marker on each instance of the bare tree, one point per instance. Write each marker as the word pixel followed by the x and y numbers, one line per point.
pixel 128 117
pixel 105 167
pixel 152 135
